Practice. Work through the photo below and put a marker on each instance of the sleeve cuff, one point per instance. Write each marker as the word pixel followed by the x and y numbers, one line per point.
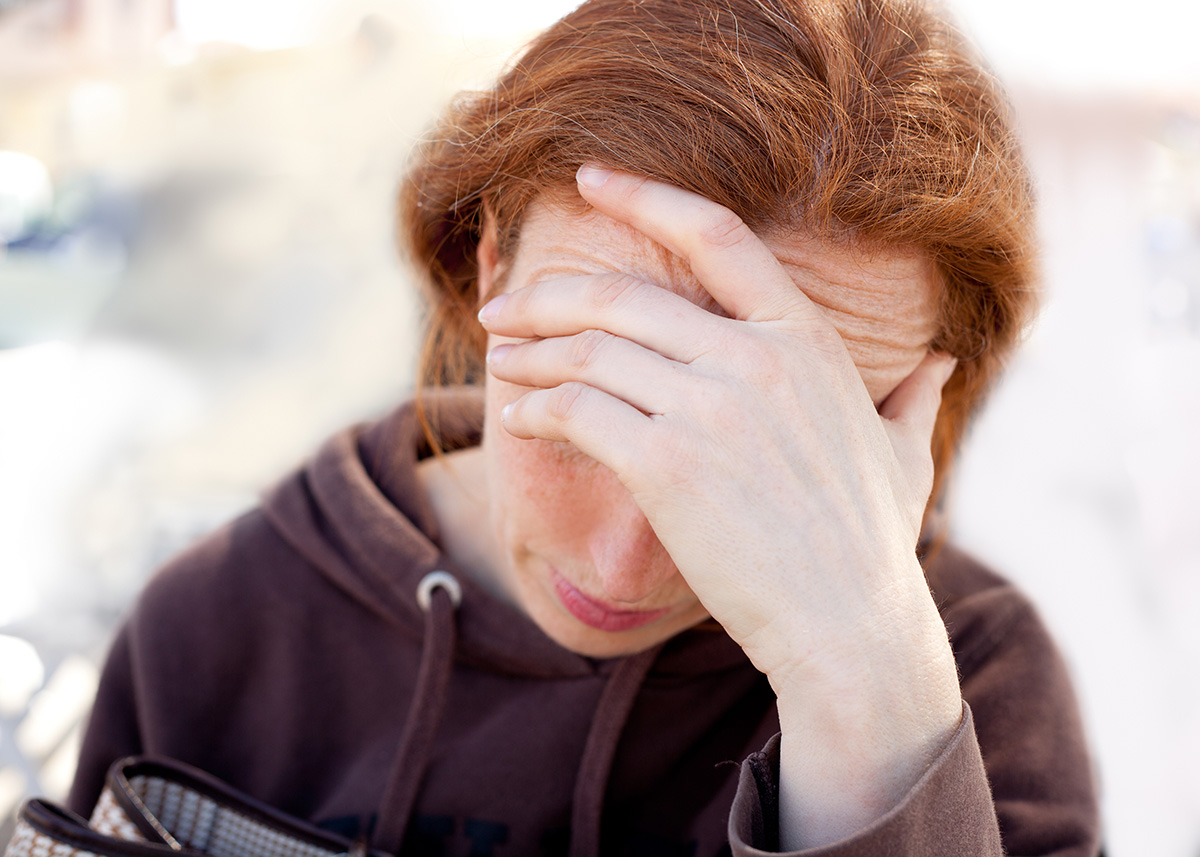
pixel 947 813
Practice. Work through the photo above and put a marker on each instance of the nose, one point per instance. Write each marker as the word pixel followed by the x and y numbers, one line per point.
pixel 629 559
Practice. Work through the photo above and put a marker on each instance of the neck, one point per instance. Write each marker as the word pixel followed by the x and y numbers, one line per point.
pixel 456 485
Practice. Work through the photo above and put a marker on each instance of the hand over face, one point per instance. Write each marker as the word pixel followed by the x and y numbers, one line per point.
pixel 790 504
pixel 767 409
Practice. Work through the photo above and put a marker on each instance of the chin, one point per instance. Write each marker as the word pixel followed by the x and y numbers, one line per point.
pixel 603 644
pixel 581 639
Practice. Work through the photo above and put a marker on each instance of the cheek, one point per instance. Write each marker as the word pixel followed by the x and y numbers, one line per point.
pixel 536 473
pixel 540 491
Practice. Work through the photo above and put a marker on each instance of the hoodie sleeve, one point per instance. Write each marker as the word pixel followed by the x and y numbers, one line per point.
pixel 1014 779
pixel 112 729
pixel 178 665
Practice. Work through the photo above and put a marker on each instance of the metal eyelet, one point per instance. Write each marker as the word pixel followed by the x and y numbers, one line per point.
pixel 432 581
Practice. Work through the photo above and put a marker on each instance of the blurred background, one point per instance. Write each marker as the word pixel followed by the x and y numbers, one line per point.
pixel 198 283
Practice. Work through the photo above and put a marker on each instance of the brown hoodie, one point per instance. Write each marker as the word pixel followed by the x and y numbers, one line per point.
pixel 287 654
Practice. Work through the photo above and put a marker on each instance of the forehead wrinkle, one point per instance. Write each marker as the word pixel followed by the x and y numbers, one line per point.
pixel 879 290
pixel 879 329
pixel 867 355
pixel 864 294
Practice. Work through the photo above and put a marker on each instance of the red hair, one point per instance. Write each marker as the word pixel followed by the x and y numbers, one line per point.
pixel 860 120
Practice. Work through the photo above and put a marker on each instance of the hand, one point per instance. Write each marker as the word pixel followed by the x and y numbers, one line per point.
pixel 757 425
pixel 788 502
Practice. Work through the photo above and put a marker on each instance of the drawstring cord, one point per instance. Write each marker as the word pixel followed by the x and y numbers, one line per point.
pixel 612 711
pixel 439 595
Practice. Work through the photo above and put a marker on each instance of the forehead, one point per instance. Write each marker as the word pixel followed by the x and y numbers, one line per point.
pixel 882 302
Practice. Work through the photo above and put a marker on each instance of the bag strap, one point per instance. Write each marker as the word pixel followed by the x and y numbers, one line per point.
pixel 46 829
pixel 161 808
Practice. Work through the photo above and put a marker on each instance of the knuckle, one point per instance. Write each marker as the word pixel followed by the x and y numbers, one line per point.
pixel 564 401
pixel 723 230
pixel 585 349
pixel 614 291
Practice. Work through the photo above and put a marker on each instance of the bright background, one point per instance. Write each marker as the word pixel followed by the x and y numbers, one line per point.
pixel 197 284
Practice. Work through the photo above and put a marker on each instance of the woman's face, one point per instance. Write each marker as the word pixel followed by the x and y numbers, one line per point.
pixel 571 548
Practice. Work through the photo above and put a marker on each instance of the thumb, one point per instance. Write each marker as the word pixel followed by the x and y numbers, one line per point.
pixel 912 408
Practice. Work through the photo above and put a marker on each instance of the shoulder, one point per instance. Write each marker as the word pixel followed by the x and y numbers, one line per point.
pixel 1026 717
pixel 244 554
pixel 222 590
pixel 984 613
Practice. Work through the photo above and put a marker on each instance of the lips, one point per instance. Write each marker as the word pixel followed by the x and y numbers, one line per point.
pixel 598 615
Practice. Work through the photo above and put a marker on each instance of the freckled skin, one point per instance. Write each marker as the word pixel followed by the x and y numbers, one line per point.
pixel 552 509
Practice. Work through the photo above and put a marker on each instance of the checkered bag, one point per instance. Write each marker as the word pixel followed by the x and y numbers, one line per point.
pixel 155 808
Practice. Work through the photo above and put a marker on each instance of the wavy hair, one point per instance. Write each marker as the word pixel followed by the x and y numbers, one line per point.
pixel 862 120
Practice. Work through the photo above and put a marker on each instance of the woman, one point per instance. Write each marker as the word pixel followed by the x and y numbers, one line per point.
pixel 742 270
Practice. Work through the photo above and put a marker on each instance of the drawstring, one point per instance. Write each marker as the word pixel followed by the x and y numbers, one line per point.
pixel 612 711
pixel 439 595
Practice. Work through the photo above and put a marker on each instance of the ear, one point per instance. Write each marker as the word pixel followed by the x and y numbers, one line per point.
pixel 487 256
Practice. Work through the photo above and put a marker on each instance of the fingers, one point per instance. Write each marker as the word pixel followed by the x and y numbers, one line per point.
pixel 642 378
pixel 910 413
pixel 916 400
pixel 622 305
pixel 601 426
pixel 729 260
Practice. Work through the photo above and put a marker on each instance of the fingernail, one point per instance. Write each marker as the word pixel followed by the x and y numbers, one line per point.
pixel 498 353
pixel 491 309
pixel 506 412
pixel 592 177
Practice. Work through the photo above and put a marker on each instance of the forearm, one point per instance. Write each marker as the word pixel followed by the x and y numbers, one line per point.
pixel 859 731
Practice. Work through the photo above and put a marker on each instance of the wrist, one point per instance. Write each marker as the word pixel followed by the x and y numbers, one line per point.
pixel 859 728
pixel 830 793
